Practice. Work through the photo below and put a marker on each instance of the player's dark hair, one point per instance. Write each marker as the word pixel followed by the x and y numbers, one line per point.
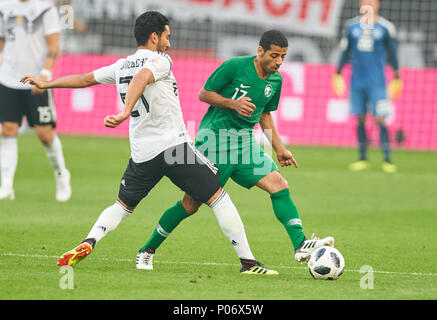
pixel 273 37
pixel 148 23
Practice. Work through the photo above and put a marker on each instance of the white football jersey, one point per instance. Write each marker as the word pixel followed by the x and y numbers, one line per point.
pixel 156 121
pixel 24 26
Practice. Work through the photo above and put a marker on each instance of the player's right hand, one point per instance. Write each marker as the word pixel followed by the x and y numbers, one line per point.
pixel 114 120
pixel 339 85
pixel 286 158
pixel 244 106
pixel 35 81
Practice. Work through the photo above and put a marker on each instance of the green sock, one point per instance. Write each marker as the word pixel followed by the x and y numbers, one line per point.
pixel 286 212
pixel 169 220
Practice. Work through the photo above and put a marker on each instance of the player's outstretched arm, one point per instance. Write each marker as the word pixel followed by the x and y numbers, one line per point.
pixel 338 83
pixel 285 157
pixel 134 92
pixel 396 86
pixel 71 81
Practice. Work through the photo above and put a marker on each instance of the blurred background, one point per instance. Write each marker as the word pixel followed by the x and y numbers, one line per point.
pixel 206 32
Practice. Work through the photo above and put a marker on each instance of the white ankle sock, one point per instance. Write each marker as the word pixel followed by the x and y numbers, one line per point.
pixel 55 154
pixel 108 220
pixel 8 160
pixel 231 225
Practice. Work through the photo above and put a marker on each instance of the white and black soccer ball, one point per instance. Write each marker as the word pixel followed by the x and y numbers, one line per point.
pixel 326 263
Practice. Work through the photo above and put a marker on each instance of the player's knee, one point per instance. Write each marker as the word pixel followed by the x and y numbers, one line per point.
pixel 45 134
pixel 282 183
pixel 273 182
pixel 192 209
pixel 279 184
pixel 9 129
pixel 380 121
pixel 191 206
pixel 46 139
pixel 361 119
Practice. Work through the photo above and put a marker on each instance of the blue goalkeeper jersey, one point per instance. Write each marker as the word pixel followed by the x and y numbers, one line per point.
pixel 368 50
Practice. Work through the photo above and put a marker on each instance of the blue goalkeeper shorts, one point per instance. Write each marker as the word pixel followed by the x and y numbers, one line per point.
pixel 362 99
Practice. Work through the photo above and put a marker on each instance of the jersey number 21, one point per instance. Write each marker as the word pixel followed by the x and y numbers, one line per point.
pixel 127 80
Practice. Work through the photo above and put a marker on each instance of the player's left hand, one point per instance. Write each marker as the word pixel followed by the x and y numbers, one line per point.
pixel 114 120
pixel 395 89
pixel 339 85
pixel 286 159
pixel 39 83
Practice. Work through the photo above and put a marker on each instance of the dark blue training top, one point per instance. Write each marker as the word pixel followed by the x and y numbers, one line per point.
pixel 368 48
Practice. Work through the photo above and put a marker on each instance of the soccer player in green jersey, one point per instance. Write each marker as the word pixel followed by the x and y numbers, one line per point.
pixel 242 92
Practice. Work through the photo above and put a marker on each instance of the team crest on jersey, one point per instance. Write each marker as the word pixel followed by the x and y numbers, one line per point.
pixel 356 33
pixel 19 20
pixel 377 33
pixel 268 90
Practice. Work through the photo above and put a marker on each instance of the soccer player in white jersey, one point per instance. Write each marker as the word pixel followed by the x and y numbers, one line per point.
pixel 29 43
pixel 160 145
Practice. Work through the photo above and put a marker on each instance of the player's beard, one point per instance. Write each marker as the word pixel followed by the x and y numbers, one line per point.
pixel 162 47
pixel 269 69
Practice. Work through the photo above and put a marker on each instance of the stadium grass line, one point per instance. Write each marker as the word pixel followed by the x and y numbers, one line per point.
pixel 216 264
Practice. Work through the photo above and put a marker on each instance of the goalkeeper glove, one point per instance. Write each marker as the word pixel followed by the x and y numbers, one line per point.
pixel 339 85
pixel 394 89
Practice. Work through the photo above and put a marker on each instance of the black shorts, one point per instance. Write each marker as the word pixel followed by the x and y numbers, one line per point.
pixel 38 109
pixel 186 167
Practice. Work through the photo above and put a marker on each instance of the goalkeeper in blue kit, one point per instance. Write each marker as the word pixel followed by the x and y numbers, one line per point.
pixel 367 41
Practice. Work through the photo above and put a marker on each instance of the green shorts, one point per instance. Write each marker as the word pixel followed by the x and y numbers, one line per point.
pixel 246 165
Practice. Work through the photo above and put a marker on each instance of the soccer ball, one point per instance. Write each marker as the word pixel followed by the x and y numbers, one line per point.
pixel 326 263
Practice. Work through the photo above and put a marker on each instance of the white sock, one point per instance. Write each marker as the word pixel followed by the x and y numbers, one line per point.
pixel 55 155
pixel 8 160
pixel 108 220
pixel 231 225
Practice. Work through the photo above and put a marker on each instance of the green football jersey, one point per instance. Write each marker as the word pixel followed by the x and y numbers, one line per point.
pixel 237 78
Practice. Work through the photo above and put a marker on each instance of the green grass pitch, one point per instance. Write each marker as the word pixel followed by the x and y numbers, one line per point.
pixel 384 221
